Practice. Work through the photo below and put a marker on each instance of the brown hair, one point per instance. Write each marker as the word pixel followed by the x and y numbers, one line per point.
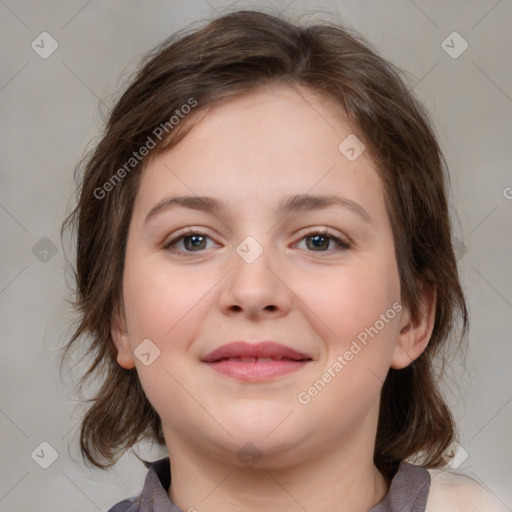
pixel 234 54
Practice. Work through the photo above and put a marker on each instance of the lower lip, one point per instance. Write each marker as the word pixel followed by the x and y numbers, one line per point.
pixel 257 372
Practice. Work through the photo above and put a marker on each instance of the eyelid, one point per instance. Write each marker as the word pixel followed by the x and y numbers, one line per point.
pixel 312 230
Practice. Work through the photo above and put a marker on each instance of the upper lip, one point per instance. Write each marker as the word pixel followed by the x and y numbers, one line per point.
pixel 261 349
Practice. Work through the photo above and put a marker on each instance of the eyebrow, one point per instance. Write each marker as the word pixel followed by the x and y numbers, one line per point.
pixel 291 204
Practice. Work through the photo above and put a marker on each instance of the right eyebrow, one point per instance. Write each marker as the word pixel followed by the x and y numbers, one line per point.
pixel 200 203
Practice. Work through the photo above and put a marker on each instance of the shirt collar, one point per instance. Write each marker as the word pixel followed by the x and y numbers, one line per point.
pixel 408 491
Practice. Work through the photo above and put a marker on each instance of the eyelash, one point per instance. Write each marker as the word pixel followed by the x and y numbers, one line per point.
pixel 342 245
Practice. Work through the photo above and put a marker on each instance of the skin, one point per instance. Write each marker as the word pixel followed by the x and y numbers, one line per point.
pixel 250 152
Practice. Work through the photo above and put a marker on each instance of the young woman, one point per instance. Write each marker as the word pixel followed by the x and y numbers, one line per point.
pixel 266 277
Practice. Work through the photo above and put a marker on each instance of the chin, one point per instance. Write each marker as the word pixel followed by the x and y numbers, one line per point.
pixel 267 444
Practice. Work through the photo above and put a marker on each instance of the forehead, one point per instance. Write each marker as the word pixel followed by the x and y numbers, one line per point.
pixel 274 140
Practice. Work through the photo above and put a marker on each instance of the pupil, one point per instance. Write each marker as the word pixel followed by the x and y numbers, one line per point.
pixel 196 241
pixel 317 241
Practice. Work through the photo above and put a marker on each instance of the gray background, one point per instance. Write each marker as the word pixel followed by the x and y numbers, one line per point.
pixel 51 108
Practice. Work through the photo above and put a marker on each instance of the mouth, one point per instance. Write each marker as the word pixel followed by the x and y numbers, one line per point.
pixel 256 362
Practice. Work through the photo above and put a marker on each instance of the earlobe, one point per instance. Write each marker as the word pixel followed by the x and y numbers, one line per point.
pixel 414 333
pixel 121 339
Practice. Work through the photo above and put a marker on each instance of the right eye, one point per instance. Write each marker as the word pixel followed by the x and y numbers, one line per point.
pixel 192 241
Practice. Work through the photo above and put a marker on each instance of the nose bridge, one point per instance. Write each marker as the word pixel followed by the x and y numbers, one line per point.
pixel 250 250
pixel 251 262
pixel 253 285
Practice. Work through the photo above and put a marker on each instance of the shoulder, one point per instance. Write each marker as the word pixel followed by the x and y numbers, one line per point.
pixel 127 505
pixel 455 492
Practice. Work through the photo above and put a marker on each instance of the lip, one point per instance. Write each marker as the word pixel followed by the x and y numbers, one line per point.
pixel 239 360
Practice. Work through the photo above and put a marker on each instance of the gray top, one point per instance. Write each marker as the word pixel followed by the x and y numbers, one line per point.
pixel 408 491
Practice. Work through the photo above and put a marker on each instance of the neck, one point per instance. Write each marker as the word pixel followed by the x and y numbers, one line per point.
pixel 331 480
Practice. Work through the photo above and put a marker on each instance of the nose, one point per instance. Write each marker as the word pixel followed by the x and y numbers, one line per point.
pixel 257 289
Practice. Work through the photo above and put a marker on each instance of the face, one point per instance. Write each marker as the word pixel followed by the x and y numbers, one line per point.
pixel 319 278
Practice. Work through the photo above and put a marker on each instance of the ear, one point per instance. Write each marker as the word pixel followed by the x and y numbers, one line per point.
pixel 121 340
pixel 414 333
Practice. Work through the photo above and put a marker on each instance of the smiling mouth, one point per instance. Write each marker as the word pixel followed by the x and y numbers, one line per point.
pixel 255 362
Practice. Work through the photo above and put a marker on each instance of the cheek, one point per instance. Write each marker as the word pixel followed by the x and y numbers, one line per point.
pixel 344 302
pixel 164 306
pixel 159 299
pixel 362 312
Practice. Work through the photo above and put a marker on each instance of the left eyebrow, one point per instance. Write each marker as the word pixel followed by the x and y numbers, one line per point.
pixel 309 202
pixel 290 204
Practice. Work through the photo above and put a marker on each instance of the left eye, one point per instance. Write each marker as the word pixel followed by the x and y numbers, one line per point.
pixel 321 241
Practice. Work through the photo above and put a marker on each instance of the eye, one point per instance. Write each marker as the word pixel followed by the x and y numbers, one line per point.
pixel 320 240
pixel 190 240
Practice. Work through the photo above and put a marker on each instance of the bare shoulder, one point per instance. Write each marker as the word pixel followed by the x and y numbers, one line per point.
pixel 455 492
